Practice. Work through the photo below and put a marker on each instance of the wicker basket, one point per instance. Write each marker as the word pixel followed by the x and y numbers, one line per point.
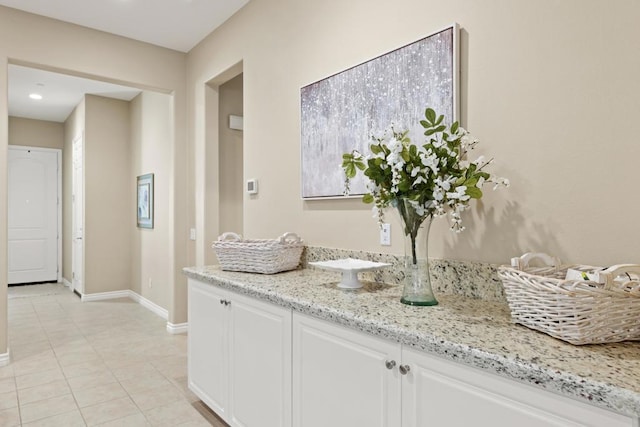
pixel 258 256
pixel 582 311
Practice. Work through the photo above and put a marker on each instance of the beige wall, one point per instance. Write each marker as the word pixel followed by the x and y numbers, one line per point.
pixel 230 157
pixel 27 39
pixel 150 152
pixel 550 88
pixel 36 133
pixel 107 195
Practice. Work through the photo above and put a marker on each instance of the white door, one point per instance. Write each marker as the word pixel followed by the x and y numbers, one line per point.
pixel 208 346
pixel 343 378
pixel 77 218
pixel 33 217
pixel 259 363
pixel 437 392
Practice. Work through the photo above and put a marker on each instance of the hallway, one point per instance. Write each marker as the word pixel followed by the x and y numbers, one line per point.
pixel 108 363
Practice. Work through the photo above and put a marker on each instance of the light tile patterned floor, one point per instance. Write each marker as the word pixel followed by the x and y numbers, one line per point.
pixel 103 363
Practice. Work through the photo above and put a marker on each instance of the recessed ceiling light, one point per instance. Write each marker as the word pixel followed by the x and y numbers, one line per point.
pixel 35 96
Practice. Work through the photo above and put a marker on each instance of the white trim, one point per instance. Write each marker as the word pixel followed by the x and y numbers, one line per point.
pixel 148 304
pixel 67 284
pixel 177 328
pixel 5 358
pixel 99 296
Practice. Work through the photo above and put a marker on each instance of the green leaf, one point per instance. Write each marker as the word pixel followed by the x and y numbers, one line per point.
pixel 474 192
pixel 430 114
pixel 425 124
pixel 440 119
pixel 454 127
pixel 360 165
pixel 471 182
pixel 367 198
pixel 441 128
pixel 375 149
pixel 350 170
pixel 430 131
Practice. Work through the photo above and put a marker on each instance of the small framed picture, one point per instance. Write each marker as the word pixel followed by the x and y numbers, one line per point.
pixel 145 201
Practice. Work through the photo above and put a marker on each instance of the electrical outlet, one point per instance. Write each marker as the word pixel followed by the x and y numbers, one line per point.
pixel 385 235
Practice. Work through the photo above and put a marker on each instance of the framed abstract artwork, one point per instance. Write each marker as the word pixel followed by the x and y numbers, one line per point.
pixel 341 112
pixel 145 201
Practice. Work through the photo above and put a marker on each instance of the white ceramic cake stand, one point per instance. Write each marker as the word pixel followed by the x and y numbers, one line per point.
pixel 349 268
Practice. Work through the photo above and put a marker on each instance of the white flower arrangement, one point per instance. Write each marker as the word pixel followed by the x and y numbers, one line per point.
pixel 434 177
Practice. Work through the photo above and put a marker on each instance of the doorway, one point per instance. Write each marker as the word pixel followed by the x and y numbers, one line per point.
pixel 223 160
pixel 35 215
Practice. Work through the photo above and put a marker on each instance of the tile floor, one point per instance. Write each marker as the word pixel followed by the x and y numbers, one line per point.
pixel 103 363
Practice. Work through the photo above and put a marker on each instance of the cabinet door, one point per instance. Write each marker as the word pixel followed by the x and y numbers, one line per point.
pixel 207 339
pixel 340 377
pixel 260 364
pixel 437 392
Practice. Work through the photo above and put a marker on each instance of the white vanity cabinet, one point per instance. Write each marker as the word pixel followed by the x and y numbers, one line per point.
pixel 345 378
pixel 257 364
pixel 437 392
pixel 240 356
pixel 340 377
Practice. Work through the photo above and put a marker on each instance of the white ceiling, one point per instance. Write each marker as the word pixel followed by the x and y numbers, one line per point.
pixel 174 24
pixel 60 93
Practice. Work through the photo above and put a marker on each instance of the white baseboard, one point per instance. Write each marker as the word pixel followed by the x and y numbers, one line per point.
pixel 99 296
pixel 148 304
pixel 67 283
pixel 5 358
pixel 177 328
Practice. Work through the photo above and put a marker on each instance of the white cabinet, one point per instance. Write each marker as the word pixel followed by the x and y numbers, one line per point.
pixel 208 346
pixel 340 377
pixel 437 392
pixel 257 365
pixel 240 356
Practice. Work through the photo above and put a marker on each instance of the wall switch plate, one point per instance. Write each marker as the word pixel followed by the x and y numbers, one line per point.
pixel 252 186
pixel 385 234
pixel 192 234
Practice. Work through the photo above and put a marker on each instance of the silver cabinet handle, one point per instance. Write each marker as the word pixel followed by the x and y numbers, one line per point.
pixel 390 364
pixel 404 369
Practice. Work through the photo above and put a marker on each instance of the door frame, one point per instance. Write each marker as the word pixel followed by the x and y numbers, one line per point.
pixel 58 153
pixel 77 140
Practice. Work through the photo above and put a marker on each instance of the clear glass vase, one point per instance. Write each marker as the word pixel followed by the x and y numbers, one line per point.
pixel 417 280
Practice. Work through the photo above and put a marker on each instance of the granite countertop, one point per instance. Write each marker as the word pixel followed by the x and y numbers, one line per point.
pixel 476 332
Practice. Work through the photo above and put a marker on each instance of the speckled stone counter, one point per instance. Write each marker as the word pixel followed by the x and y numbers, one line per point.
pixel 475 332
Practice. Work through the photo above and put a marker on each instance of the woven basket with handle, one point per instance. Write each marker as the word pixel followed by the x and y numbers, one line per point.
pixel 266 256
pixel 603 310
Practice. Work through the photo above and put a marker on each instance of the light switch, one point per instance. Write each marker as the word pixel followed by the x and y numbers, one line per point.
pixel 385 234
pixel 192 234
pixel 252 186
